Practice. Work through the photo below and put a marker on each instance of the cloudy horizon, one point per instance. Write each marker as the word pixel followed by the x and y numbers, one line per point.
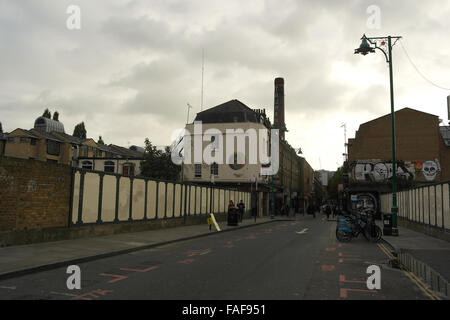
pixel 131 69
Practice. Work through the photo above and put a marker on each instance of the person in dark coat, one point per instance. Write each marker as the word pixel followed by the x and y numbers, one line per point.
pixel 311 211
pixel 328 211
pixel 241 207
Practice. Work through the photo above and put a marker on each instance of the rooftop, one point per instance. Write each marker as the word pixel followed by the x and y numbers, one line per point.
pixel 231 111
pixel 44 124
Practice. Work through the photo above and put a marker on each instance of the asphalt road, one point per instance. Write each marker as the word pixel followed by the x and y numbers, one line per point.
pixel 277 261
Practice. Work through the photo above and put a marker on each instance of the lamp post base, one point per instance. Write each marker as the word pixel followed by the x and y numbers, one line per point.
pixel 394 232
pixel 390 231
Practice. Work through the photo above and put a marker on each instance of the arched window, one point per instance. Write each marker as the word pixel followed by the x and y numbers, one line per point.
pixel 87 165
pixel 109 166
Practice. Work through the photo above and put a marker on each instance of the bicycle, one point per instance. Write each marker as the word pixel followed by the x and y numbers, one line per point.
pixel 351 226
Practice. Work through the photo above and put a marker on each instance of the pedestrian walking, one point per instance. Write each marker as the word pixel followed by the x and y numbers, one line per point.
pixel 241 207
pixel 328 211
pixel 311 211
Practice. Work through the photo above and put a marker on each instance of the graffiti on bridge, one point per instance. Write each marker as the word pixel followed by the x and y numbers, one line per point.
pixel 378 171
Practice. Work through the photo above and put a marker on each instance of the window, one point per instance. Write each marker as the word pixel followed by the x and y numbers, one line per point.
pixel 128 169
pixel 53 147
pixel 109 166
pixel 23 139
pixel 83 151
pixel 87 165
pixel 198 170
pixel 11 139
pixel 215 169
pixel 33 141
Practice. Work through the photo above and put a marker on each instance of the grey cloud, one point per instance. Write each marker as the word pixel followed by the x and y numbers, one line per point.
pixel 135 64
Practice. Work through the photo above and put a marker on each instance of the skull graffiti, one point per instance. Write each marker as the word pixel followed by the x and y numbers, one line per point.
pixel 430 170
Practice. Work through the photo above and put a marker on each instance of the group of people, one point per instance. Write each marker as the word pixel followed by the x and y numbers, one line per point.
pixel 330 209
pixel 240 207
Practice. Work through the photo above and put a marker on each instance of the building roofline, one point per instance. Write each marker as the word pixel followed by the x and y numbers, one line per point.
pixel 29 133
pixel 400 110
pixel 110 159
pixel 220 105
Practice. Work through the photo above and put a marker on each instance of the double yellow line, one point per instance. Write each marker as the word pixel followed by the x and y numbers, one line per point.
pixel 411 275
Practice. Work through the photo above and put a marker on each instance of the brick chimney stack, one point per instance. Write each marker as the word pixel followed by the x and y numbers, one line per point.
pixel 279 106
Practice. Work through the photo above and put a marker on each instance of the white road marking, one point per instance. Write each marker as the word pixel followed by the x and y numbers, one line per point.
pixel 11 288
pixel 64 294
pixel 303 231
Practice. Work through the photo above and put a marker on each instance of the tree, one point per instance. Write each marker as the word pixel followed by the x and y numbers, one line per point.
pixel 158 164
pixel 335 180
pixel 100 140
pixel 56 116
pixel 80 131
pixel 47 114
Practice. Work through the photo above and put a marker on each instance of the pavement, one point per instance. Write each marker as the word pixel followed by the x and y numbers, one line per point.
pixel 25 259
pixel 425 256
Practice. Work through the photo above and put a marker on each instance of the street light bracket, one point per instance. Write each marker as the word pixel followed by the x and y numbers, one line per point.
pixel 382 44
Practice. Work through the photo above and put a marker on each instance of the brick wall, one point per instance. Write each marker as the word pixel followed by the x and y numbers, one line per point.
pixel 417 140
pixel 33 194
pixel 417 137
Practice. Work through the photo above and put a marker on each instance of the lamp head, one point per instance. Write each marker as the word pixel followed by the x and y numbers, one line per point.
pixel 365 47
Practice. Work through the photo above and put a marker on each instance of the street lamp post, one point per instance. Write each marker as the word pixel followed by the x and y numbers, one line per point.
pixel 272 185
pixel 272 199
pixel 296 151
pixel 368 45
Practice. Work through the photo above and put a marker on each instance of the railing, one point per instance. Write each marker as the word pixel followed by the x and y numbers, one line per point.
pixel 100 197
pixel 427 205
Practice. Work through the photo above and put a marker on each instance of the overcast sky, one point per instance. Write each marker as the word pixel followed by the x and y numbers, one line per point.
pixel 132 67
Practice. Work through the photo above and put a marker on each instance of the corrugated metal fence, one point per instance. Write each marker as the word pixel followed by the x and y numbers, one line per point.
pixel 428 205
pixel 100 197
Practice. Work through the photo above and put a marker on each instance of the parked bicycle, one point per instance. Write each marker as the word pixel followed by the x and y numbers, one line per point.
pixel 352 225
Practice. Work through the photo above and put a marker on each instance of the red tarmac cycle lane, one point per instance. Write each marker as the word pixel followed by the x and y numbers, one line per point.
pixel 341 273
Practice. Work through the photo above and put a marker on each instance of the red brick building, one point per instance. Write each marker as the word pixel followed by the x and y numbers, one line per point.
pixel 422 149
